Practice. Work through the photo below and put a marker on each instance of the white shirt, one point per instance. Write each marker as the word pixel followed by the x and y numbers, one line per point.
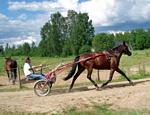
pixel 26 68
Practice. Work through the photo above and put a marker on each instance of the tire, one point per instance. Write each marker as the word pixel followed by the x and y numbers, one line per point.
pixel 41 88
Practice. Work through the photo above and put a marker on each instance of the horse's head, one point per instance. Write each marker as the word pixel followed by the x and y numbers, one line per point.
pixel 8 63
pixel 7 58
pixel 125 49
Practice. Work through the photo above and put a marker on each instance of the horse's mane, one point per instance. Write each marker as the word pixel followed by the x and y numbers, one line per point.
pixel 113 49
pixel 117 48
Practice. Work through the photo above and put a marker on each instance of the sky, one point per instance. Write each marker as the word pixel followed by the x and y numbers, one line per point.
pixel 22 20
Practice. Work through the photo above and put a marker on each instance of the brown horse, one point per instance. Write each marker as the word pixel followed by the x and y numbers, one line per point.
pixel 11 69
pixel 106 60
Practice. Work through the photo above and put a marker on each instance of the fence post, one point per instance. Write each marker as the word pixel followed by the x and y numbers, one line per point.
pixel 20 85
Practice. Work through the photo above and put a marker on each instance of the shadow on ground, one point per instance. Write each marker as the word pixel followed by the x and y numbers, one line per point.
pixel 58 91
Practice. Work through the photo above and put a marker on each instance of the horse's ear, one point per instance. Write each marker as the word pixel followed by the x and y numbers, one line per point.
pixel 124 43
pixel 6 58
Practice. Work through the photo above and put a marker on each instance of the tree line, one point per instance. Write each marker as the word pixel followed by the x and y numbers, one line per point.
pixel 73 35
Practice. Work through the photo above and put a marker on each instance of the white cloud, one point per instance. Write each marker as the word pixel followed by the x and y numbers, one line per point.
pixel 140 11
pixel 22 17
pixel 97 9
pixel 24 39
pixel 102 13
pixel 3 17
pixel 34 6
pixel 20 30
pixel 68 4
pixel 18 40
pixel 110 12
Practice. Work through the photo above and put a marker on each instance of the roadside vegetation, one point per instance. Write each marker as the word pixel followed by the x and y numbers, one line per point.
pixel 139 57
pixel 96 110
pixel 104 110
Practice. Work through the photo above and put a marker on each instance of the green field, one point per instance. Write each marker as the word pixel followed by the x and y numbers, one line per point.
pixel 138 57
pixel 49 62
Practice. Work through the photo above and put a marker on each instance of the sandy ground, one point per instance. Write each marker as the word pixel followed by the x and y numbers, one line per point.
pixel 117 95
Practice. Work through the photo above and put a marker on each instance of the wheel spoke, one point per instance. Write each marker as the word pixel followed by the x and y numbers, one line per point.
pixel 42 88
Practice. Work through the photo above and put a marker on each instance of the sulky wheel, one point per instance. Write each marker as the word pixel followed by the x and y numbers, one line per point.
pixel 42 88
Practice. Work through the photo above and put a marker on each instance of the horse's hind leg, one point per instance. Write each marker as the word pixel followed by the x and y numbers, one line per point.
pixel 122 73
pixel 80 70
pixel 15 74
pixel 89 77
pixel 110 78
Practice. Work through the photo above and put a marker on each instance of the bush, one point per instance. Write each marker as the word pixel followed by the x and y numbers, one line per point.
pixel 85 49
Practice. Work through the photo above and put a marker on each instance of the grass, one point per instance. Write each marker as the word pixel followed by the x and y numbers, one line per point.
pixel 14 88
pixel 104 110
pixel 137 57
pixel 95 110
pixel 5 112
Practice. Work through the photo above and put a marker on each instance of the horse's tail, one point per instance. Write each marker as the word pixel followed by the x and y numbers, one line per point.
pixel 72 71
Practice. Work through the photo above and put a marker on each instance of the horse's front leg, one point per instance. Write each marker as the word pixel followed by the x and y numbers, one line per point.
pixel 123 74
pixel 110 77
pixel 15 74
pixel 7 71
pixel 89 77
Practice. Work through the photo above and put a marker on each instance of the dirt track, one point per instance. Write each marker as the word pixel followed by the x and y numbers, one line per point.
pixel 117 95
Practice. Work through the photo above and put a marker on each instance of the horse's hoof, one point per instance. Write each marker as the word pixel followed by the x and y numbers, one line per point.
pixel 98 88
pixel 131 83
pixel 102 87
pixel 68 91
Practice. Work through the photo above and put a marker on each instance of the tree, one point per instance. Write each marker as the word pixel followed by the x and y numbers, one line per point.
pixel 7 52
pixel 85 49
pixel 82 31
pixel 44 45
pixel 147 41
pixel 140 39
pixel 26 49
pixel 103 41
pixel 132 39
pixel 66 35
pixel 34 50
pixel 1 50
pixel 53 35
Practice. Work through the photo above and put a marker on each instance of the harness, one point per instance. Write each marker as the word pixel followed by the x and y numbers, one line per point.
pixel 110 53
